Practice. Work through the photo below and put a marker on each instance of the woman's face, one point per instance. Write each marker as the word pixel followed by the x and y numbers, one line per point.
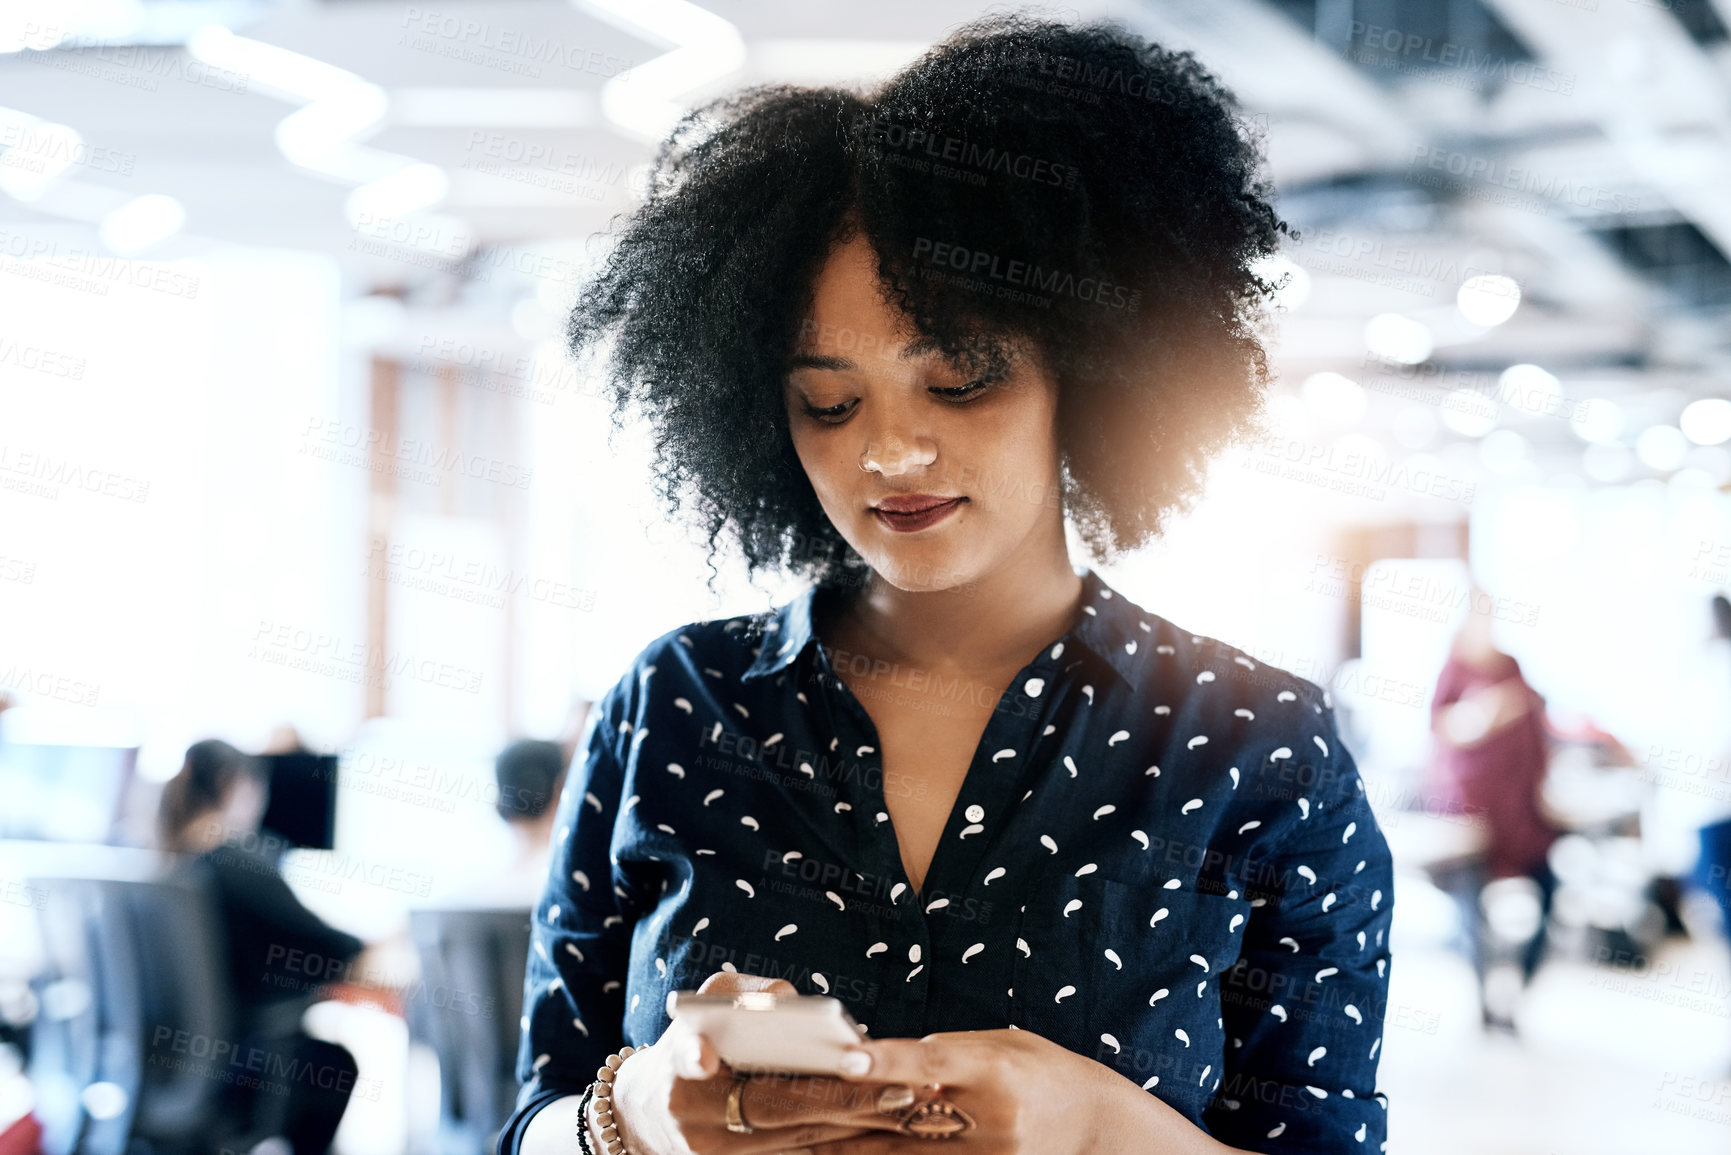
pixel 898 423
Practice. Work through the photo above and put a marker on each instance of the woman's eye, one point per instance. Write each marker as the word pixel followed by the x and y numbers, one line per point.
pixel 829 413
pixel 960 392
pixel 836 414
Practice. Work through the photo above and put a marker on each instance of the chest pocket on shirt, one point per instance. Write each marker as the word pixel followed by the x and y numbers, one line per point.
pixel 1117 979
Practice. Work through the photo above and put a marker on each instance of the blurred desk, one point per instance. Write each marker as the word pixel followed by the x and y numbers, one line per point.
pixel 1589 800
pixel 368 898
pixel 1432 842
pixel 22 860
pixel 1592 798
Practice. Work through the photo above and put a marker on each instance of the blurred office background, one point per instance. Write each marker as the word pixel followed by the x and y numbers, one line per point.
pixel 287 439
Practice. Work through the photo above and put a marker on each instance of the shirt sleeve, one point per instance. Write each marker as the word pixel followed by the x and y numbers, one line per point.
pixel 1304 1006
pixel 1450 685
pixel 580 936
pixel 264 908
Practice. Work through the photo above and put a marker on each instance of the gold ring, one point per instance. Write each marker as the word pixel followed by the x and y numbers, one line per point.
pixel 934 1119
pixel 735 1117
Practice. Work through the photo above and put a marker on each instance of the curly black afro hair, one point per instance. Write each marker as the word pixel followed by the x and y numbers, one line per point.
pixel 1073 187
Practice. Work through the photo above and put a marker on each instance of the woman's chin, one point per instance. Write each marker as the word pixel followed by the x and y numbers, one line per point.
pixel 922 569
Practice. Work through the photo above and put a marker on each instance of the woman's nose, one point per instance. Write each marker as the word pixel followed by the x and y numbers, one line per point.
pixel 891 453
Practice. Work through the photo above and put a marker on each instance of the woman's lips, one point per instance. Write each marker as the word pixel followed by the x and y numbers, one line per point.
pixel 918 519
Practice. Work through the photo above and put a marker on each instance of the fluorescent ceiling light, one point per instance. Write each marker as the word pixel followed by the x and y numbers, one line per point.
pixel 35 151
pixel 408 190
pixel 1400 339
pixel 126 23
pixel 1707 421
pixel 283 73
pixel 1529 388
pixel 18 33
pixel 341 109
pixel 647 101
pixel 322 135
pixel 674 23
pixel 1488 299
pixel 832 61
pixel 44 24
pixel 340 106
pixel 478 107
pixel 142 222
pixel 1661 447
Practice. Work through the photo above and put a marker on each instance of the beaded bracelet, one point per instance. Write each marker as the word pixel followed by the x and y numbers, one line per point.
pixel 583 1120
pixel 602 1090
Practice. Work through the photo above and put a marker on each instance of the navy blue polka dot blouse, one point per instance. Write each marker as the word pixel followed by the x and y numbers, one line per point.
pixel 1161 858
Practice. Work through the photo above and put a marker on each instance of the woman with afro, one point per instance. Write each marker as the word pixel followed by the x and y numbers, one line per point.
pixel 1084 880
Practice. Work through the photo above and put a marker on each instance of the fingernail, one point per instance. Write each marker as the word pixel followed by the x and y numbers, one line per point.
pixel 894 1098
pixel 856 1062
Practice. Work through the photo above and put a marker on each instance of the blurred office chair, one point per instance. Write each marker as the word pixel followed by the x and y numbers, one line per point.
pixel 133 1005
pixel 466 1009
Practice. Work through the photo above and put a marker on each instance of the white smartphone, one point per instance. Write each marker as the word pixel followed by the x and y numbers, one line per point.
pixel 760 1031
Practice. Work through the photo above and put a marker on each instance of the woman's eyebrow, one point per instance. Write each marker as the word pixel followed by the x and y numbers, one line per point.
pixel 919 347
pixel 819 361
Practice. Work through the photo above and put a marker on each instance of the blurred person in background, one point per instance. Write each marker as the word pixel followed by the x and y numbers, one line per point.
pixel 1700 777
pixel 285 739
pixel 507 869
pixel 531 773
pixel 1491 758
pixel 279 952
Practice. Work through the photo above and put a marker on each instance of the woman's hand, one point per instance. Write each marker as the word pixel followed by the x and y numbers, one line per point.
pixel 671 1098
pixel 1026 1095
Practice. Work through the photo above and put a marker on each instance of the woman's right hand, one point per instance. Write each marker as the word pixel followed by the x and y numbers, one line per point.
pixel 671 1098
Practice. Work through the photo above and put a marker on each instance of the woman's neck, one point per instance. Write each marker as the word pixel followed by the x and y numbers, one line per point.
pixel 998 622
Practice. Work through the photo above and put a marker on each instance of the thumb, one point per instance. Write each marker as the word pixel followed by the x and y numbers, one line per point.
pixel 737 982
pixel 697 1058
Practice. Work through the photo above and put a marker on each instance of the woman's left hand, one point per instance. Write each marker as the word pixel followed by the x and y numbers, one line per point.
pixel 1023 1092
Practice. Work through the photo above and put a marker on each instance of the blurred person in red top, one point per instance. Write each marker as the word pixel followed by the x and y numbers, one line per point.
pixel 1491 747
pixel 1491 756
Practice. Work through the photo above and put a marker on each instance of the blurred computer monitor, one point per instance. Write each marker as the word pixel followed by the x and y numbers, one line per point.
pixel 303 798
pixel 64 793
